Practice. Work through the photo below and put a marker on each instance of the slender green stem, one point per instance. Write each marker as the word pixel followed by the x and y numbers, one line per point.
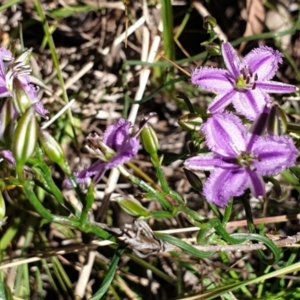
pixel 89 202
pixel 257 237
pixel 167 19
pixel 51 44
pixel 143 185
pixel 227 212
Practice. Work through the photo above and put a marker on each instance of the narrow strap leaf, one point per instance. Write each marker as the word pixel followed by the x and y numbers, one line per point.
pixel 269 244
pixel 183 245
pixel 110 274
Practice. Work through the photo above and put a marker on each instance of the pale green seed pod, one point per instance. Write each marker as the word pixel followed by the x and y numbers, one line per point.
pixel 25 137
pixel 51 148
pixel 133 207
pixel 149 140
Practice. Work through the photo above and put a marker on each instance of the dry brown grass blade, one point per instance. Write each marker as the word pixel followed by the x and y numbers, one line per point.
pixel 256 15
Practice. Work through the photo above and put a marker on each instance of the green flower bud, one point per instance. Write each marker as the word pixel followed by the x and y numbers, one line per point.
pixel 25 137
pixel 190 122
pixel 51 148
pixel 277 121
pixel 2 207
pixel 212 48
pixel 193 147
pixel 21 98
pixel 278 192
pixel 209 23
pixel 7 123
pixel 149 140
pixel 295 128
pixel 133 207
pixel 193 180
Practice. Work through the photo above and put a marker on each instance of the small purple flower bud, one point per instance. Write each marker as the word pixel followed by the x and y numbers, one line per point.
pixel 51 148
pixel 25 137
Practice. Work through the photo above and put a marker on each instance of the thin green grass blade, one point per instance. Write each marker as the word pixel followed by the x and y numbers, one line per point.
pixel 56 63
pixel 5 293
pixel 110 274
pixel 213 294
pixel 9 4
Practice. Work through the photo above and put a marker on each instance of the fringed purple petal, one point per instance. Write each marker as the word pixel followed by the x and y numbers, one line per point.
pixel 259 125
pixel 250 103
pixel 3 89
pixel 5 55
pixel 40 109
pixel 257 185
pixel 275 154
pixel 276 87
pixel 7 155
pixel 212 79
pixel 224 184
pixel 125 154
pixel 97 170
pixel 99 175
pixel 28 87
pixel 225 134
pixel 207 162
pixel 116 134
pixel 231 60
pixel 221 101
pixel 263 61
pixel 2 71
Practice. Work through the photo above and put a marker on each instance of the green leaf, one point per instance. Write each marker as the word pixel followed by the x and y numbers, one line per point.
pixel 110 275
pixel 5 293
pixel 260 238
pixel 183 245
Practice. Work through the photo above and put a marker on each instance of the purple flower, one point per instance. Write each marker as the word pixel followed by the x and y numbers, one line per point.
pixel 15 81
pixel 246 83
pixel 239 159
pixel 116 148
